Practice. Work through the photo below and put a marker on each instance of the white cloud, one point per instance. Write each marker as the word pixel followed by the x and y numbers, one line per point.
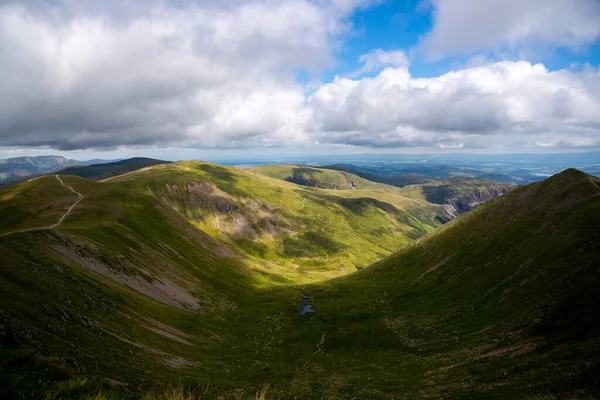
pixel 474 107
pixel 378 59
pixel 464 26
pixel 91 75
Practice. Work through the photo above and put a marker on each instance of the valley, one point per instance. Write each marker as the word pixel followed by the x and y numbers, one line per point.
pixel 192 273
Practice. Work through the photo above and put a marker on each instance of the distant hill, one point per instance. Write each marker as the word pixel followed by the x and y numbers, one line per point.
pixel 415 173
pixel 396 180
pixel 22 167
pixel 98 172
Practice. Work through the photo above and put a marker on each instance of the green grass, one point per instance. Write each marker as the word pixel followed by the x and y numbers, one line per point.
pixel 499 303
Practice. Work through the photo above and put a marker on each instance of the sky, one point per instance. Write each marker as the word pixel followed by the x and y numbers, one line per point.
pixel 181 79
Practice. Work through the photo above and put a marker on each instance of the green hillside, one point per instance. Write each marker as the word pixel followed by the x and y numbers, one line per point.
pixel 499 303
pixel 192 273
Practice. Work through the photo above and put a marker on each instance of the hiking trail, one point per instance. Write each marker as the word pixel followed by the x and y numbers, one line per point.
pixel 60 221
pixel 62 218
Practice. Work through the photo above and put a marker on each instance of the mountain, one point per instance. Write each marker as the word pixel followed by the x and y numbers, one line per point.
pixel 22 167
pixel 101 171
pixel 193 272
pixel 416 171
pixel 410 178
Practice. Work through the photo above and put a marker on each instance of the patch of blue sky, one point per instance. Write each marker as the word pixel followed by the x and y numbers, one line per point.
pixel 401 25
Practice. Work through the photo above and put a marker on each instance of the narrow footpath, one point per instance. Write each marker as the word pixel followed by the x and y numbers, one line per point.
pixel 62 218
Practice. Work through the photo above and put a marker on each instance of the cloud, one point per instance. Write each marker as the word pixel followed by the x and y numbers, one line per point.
pixel 378 59
pixel 87 74
pixel 503 103
pixel 82 74
pixel 466 26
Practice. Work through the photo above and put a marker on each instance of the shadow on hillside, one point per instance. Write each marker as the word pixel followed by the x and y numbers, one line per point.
pixel 227 179
pixel 311 244
pixel 305 177
pixel 358 205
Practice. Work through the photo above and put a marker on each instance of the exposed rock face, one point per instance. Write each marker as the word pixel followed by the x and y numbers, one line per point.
pixel 458 195
pixel 241 217
pixel 465 203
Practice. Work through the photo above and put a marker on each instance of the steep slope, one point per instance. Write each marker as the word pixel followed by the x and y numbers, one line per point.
pixel 98 172
pixel 107 291
pixel 459 194
pixel 499 303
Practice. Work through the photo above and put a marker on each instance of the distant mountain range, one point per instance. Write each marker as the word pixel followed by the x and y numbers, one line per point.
pixel 19 168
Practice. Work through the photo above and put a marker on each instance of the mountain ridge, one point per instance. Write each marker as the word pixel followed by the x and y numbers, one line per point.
pixel 102 171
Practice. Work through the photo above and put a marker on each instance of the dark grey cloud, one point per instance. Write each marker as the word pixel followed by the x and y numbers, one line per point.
pixel 77 74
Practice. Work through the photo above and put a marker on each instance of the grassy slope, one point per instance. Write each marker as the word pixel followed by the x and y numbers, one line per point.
pixel 459 194
pixel 92 296
pixel 499 303
pixel 508 312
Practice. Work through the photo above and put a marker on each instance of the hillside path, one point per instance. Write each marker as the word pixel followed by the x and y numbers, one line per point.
pixel 60 221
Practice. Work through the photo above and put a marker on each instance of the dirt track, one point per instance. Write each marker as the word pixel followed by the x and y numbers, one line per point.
pixel 60 221
pixel 70 208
